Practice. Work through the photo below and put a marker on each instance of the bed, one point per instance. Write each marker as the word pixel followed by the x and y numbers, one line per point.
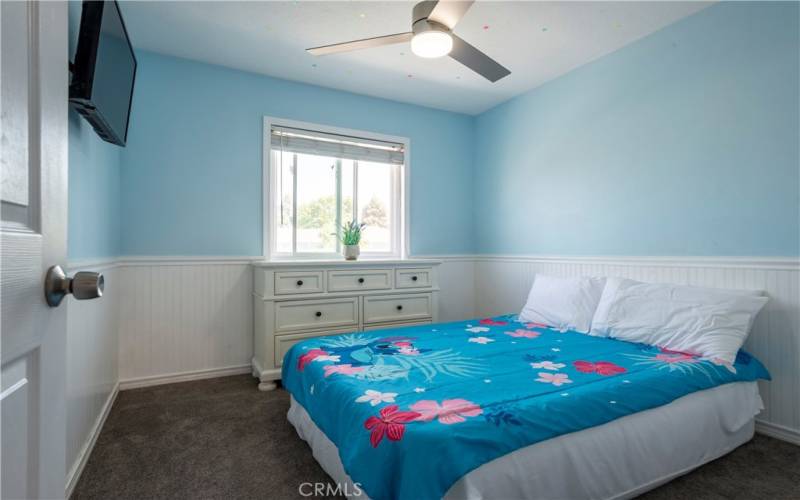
pixel 498 408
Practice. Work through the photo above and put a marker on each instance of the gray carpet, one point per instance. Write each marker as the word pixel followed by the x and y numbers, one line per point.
pixel 223 439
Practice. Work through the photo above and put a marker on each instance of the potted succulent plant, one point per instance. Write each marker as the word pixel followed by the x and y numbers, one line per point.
pixel 350 236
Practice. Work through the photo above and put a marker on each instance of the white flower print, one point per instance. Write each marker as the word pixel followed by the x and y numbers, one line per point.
pixel 335 358
pixel 548 365
pixel 376 397
pixel 419 389
pixel 556 379
pixel 477 329
pixel 480 340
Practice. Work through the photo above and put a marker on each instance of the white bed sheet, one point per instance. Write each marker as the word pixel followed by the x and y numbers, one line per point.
pixel 619 459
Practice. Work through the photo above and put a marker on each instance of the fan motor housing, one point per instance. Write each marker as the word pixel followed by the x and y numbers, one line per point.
pixel 422 10
pixel 419 18
pixel 424 25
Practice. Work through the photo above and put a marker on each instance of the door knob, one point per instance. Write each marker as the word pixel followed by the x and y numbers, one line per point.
pixel 84 285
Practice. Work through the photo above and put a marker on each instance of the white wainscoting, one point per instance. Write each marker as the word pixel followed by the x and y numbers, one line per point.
pixel 188 318
pixel 92 367
pixel 502 284
pixel 184 319
pixel 457 285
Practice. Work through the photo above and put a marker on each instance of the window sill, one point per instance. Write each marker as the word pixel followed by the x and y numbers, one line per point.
pixel 378 261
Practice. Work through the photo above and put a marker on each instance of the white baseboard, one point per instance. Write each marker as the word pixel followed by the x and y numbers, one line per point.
pixel 171 378
pixel 76 470
pixel 256 367
pixel 778 432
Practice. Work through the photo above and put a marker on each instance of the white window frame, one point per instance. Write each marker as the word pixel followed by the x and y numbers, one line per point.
pixel 400 205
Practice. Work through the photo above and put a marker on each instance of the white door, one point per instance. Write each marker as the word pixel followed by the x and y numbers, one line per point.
pixel 33 193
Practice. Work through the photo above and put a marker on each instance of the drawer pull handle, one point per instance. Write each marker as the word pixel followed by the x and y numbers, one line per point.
pixel 361 280
pixel 318 314
pixel 299 282
pixel 413 278
pixel 399 308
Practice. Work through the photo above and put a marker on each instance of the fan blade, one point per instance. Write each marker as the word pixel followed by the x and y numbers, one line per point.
pixel 449 12
pixel 477 61
pixel 365 43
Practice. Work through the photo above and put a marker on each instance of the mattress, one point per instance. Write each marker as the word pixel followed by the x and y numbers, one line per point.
pixel 619 459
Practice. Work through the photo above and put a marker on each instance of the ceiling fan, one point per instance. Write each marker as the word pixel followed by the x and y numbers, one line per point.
pixel 431 36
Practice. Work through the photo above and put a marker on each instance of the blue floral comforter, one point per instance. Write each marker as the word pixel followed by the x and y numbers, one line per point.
pixel 412 410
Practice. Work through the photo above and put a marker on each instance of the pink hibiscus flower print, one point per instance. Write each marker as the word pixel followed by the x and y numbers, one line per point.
pixel 308 357
pixel 557 379
pixel 390 423
pixel 342 369
pixel 670 356
pixel 670 351
pixel 528 334
pixel 535 325
pixel 600 367
pixel 676 358
pixel 451 411
pixel 481 340
pixel 492 322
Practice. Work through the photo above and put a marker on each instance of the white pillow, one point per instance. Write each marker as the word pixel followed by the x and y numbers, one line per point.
pixel 711 322
pixel 563 302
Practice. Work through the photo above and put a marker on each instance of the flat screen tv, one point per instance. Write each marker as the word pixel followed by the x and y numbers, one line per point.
pixel 101 89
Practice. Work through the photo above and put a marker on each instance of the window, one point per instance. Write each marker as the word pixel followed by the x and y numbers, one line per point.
pixel 320 180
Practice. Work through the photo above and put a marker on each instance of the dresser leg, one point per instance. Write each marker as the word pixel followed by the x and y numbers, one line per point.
pixel 269 385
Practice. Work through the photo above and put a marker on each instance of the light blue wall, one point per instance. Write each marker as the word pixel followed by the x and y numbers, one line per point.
pixel 192 169
pixel 94 183
pixel 94 194
pixel 683 143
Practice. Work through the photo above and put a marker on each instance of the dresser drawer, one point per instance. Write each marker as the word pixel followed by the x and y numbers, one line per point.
pixel 387 308
pixel 298 282
pixel 418 277
pixel 366 279
pixel 315 314
pixel 285 342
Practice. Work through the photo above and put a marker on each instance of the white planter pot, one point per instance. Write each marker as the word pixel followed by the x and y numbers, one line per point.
pixel 351 252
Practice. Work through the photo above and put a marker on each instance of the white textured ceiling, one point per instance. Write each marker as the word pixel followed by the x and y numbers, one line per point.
pixel 537 41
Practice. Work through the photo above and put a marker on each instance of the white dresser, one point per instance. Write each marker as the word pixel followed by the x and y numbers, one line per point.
pixel 294 301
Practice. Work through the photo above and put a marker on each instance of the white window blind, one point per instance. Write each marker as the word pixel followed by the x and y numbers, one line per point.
pixel 295 140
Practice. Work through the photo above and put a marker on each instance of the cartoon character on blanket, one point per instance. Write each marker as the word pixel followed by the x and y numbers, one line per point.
pixel 361 355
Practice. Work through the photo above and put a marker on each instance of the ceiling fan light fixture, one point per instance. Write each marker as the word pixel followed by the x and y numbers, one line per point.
pixel 431 36
pixel 431 44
